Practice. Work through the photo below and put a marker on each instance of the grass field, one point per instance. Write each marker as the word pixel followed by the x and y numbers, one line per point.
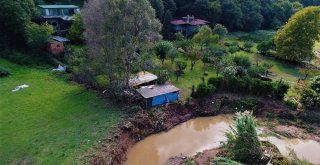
pixel 52 121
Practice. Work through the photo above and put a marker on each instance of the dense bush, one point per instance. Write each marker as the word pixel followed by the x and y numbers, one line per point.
pixel 242 61
pixel 247 46
pixel 254 71
pixel 101 81
pixel 315 84
pixel 162 48
pixel 233 49
pixel 38 36
pixel 291 103
pixel 75 33
pixel 4 72
pixel 203 90
pixel 281 89
pixel 310 98
pixel 216 81
pixel 256 87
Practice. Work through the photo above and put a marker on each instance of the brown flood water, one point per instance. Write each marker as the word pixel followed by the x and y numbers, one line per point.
pixel 204 133
pixel 187 138
pixel 305 149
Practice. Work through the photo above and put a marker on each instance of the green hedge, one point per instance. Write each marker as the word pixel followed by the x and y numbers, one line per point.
pixel 254 86
pixel 202 90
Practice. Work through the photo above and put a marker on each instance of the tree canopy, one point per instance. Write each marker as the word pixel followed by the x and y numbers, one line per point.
pixel 296 39
pixel 118 33
pixel 14 16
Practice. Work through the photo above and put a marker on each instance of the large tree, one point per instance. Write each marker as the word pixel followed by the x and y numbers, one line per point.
pixel 296 39
pixel 170 5
pixel 14 16
pixel 158 6
pixel 167 27
pixel 117 31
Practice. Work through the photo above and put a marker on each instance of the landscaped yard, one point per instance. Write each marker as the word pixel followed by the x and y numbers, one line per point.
pixel 52 121
pixel 280 70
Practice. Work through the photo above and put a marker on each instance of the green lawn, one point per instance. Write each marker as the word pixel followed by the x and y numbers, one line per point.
pixel 52 121
pixel 189 78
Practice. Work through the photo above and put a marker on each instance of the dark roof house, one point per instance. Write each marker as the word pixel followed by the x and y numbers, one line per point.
pixel 59 16
pixel 188 25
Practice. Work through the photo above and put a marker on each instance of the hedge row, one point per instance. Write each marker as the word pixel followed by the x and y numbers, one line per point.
pixel 252 86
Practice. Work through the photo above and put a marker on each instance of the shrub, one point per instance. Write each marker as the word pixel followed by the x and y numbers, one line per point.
pixel 242 61
pixel 258 87
pixel 162 48
pixel 291 103
pixel 281 88
pixel 233 49
pixel 4 72
pixel 76 30
pixel 203 90
pixel 220 30
pixel 247 46
pixel 315 84
pixel 310 98
pixel 184 44
pixel 216 81
pixel 265 46
pixel 163 77
pixel 181 66
pixel 38 36
pixel 101 81
pixel 254 71
pixel 242 140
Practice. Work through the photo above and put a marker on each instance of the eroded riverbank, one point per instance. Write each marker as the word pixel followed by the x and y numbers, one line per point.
pixel 207 133
pixel 140 125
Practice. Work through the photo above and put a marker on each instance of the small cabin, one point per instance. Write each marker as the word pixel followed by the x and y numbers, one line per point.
pixel 157 95
pixel 56 46
pixel 188 25
pixel 59 16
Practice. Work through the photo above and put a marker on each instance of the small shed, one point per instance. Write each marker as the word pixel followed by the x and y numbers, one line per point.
pixel 142 78
pixel 157 95
pixel 56 48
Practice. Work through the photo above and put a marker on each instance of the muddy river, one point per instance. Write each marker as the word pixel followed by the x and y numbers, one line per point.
pixel 204 133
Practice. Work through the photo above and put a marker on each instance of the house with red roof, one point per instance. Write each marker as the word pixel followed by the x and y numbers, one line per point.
pixel 188 25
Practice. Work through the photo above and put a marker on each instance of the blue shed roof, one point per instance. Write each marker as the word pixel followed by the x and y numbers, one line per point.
pixel 58 6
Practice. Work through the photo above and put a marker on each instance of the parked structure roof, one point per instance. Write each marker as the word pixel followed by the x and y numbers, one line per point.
pixel 156 90
pixel 142 78
pixel 58 6
pixel 189 20
pixel 60 39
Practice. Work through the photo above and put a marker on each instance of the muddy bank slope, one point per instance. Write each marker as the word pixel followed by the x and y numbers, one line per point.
pixel 137 127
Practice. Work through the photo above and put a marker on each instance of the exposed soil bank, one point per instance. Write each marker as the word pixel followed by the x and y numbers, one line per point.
pixel 188 138
pixel 145 123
